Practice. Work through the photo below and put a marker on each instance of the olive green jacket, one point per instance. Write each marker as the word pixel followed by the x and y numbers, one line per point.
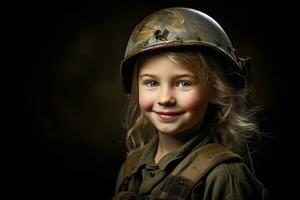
pixel 231 180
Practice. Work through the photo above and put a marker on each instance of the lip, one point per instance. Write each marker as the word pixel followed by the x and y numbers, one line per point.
pixel 167 116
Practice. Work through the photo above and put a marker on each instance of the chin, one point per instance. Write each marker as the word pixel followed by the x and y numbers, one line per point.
pixel 168 131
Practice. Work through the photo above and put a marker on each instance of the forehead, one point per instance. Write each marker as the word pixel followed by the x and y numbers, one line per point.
pixel 162 64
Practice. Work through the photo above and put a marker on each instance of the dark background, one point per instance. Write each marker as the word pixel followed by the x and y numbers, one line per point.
pixel 65 97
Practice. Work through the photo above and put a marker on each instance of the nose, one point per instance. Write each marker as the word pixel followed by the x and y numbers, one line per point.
pixel 166 97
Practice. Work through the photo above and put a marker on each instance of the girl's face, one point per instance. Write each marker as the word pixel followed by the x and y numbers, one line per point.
pixel 170 95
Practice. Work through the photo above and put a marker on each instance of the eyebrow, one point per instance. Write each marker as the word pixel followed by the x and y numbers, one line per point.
pixel 176 76
pixel 150 75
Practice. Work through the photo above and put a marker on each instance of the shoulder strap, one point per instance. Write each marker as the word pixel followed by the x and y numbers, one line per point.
pixel 124 183
pixel 193 169
pixel 131 161
pixel 200 162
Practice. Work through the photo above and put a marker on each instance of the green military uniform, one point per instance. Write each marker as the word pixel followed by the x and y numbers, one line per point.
pixel 228 180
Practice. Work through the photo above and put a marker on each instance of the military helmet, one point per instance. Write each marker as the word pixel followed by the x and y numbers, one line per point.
pixel 182 27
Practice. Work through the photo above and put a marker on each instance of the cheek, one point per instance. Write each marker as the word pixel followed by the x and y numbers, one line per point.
pixel 145 101
pixel 194 101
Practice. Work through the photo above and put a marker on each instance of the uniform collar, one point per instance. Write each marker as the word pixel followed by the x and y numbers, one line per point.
pixel 201 138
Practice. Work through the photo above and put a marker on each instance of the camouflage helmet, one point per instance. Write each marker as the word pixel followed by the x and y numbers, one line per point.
pixel 183 27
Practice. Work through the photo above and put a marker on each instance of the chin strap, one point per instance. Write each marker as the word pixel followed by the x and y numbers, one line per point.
pixel 245 64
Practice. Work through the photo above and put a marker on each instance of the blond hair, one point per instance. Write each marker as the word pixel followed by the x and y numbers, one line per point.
pixel 232 120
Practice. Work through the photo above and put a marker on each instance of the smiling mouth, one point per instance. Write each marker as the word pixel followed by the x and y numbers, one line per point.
pixel 167 116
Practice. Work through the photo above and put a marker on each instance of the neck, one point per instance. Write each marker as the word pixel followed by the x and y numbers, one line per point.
pixel 166 144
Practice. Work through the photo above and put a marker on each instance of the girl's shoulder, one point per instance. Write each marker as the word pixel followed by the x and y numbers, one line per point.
pixel 234 180
pixel 234 171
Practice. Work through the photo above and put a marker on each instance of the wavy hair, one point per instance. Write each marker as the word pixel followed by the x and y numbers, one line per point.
pixel 232 119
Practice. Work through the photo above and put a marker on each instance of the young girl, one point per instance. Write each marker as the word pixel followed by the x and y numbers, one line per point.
pixel 190 126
